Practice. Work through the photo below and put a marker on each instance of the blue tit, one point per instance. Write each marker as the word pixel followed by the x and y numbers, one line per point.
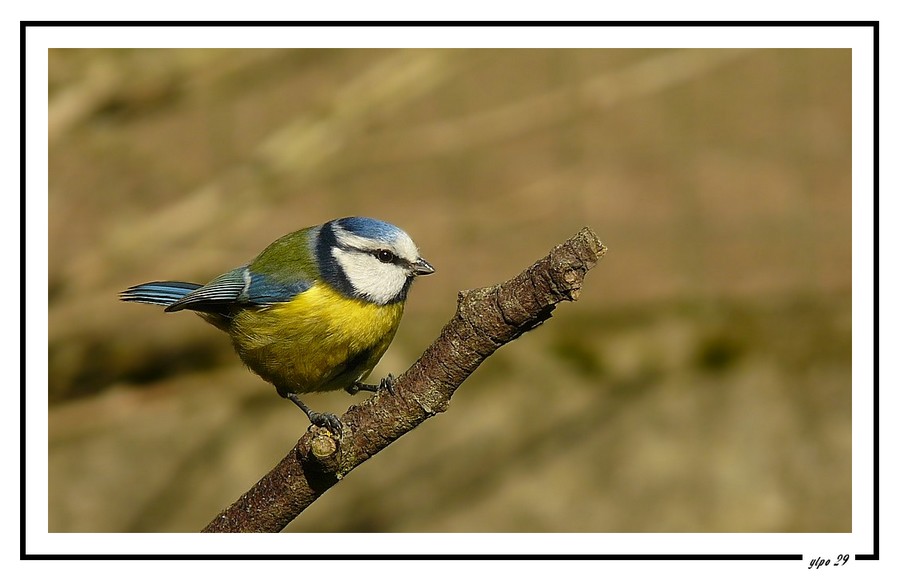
pixel 315 311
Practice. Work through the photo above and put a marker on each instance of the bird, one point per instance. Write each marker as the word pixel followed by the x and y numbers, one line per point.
pixel 314 311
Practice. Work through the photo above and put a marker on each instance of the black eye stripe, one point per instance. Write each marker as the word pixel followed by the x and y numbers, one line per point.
pixel 382 254
pixel 385 255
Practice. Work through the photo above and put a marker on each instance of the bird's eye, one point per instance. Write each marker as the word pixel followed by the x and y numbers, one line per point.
pixel 385 256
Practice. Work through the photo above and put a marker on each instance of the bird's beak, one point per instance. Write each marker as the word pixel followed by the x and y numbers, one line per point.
pixel 421 267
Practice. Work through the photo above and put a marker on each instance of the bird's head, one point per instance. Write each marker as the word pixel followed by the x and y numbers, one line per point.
pixel 369 259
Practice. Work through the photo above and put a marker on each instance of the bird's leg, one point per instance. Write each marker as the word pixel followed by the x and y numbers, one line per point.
pixel 386 383
pixel 326 420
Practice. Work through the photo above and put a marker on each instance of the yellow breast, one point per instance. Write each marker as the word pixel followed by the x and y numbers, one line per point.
pixel 319 341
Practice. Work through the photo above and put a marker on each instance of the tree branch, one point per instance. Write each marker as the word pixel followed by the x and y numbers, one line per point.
pixel 485 319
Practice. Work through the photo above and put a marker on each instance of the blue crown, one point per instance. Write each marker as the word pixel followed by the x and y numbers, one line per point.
pixel 369 228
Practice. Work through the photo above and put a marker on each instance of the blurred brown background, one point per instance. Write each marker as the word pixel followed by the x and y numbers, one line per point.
pixel 702 382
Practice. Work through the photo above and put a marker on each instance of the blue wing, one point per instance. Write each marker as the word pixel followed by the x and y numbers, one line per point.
pixel 239 287
pixel 265 290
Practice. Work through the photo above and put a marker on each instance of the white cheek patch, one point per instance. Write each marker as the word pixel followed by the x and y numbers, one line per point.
pixel 369 277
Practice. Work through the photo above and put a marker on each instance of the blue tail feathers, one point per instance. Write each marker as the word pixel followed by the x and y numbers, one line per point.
pixel 162 293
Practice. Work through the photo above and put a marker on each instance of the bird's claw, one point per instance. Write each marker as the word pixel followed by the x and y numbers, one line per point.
pixel 386 384
pixel 323 420
pixel 328 421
